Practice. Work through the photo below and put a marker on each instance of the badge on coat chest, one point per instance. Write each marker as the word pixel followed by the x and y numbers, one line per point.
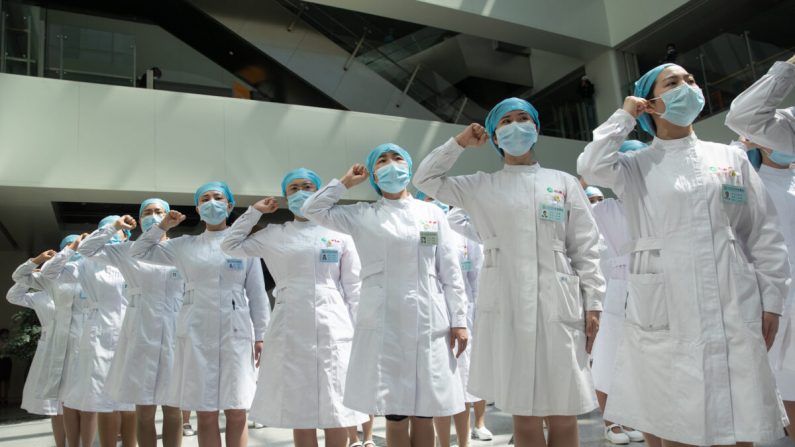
pixel 552 212
pixel 429 234
pixel 234 264
pixel 331 253
pixel 733 194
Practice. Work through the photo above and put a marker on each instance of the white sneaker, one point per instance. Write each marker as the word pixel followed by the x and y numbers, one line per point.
pixel 619 438
pixel 255 425
pixel 482 433
pixel 634 435
pixel 187 430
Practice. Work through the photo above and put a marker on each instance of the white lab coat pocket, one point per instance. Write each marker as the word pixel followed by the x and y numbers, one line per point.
pixel 440 317
pixel 370 313
pixel 568 308
pixel 242 327
pixel 745 292
pixel 647 303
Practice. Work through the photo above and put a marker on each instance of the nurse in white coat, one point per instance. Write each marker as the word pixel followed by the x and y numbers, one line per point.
pixel 222 321
pixel 540 289
pixel 413 305
pixel 308 342
pixel 143 367
pixel 707 278
pixel 103 286
pixel 41 303
pixel 609 217
pixel 61 348
pixel 777 174
pixel 753 114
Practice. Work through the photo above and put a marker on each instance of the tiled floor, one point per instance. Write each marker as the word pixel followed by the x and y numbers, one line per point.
pixel 37 433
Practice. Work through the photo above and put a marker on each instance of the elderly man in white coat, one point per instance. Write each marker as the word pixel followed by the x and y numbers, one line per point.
pixel 308 341
pixel 413 306
pixel 223 318
pixel 41 303
pixel 753 114
pixel 708 274
pixel 106 305
pixel 61 347
pixel 541 287
pixel 142 369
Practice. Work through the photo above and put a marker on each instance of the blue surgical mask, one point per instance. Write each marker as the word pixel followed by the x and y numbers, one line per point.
pixel 445 207
pixel 296 201
pixel 76 257
pixel 393 177
pixel 682 105
pixel 781 158
pixel 517 138
pixel 213 212
pixel 149 221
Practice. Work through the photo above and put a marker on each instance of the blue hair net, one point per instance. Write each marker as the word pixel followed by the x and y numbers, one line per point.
pixel 592 191
pixel 375 153
pixel 148 202
pixel 108 220
pixel 300 173
pixel 503 107
pixel 214 186
pixel 755 157
pixel 642 88
pixel 632 145
pixel 420 195
pixel 68 240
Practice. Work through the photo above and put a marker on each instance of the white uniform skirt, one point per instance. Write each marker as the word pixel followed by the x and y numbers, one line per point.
pixel 611 333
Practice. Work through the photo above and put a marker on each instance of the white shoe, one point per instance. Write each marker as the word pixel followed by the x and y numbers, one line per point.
pixel 255 425
pixel 634 435
pixel 620 438
pixel 187 430
pixel 482 433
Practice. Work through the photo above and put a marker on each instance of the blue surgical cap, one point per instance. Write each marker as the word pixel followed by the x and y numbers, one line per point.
pixel 300 173
pixel 68 240
pixel 632 145
pixel 214 186
pixel 148 202
pixel 377 152
pixel 506 106
pixel 420 195
pixel 755 157
pixel 642 88
pixel 109 220
pixel 592 191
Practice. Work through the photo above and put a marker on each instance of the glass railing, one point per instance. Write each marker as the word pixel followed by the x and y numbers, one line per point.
pixel 34 41
pixel 370 43
pixel 727 65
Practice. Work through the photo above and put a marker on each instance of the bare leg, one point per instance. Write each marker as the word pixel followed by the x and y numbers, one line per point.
pixel 236 428
pixel 305 437
pixel 89 422
pixel 353 435
pixel 480 413
pixel 335 437
pixel 397 433
pixel 422 432
pixel 528 431
pixel 71 420
pixel 563 431
pixel 58 430
pixel 462 427
pixel 208 430
pixel 367 429
pixel 145 420
pixel 172 426
pixel 129 429
pixel 108 424
pixel 442 425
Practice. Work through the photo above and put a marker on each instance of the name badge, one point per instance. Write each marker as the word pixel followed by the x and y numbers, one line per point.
pixel 329 256
pixel 466 265
pixel 234 264
pixel 733 193
pixel 175 274
pixel 552 213
pixel 429 238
